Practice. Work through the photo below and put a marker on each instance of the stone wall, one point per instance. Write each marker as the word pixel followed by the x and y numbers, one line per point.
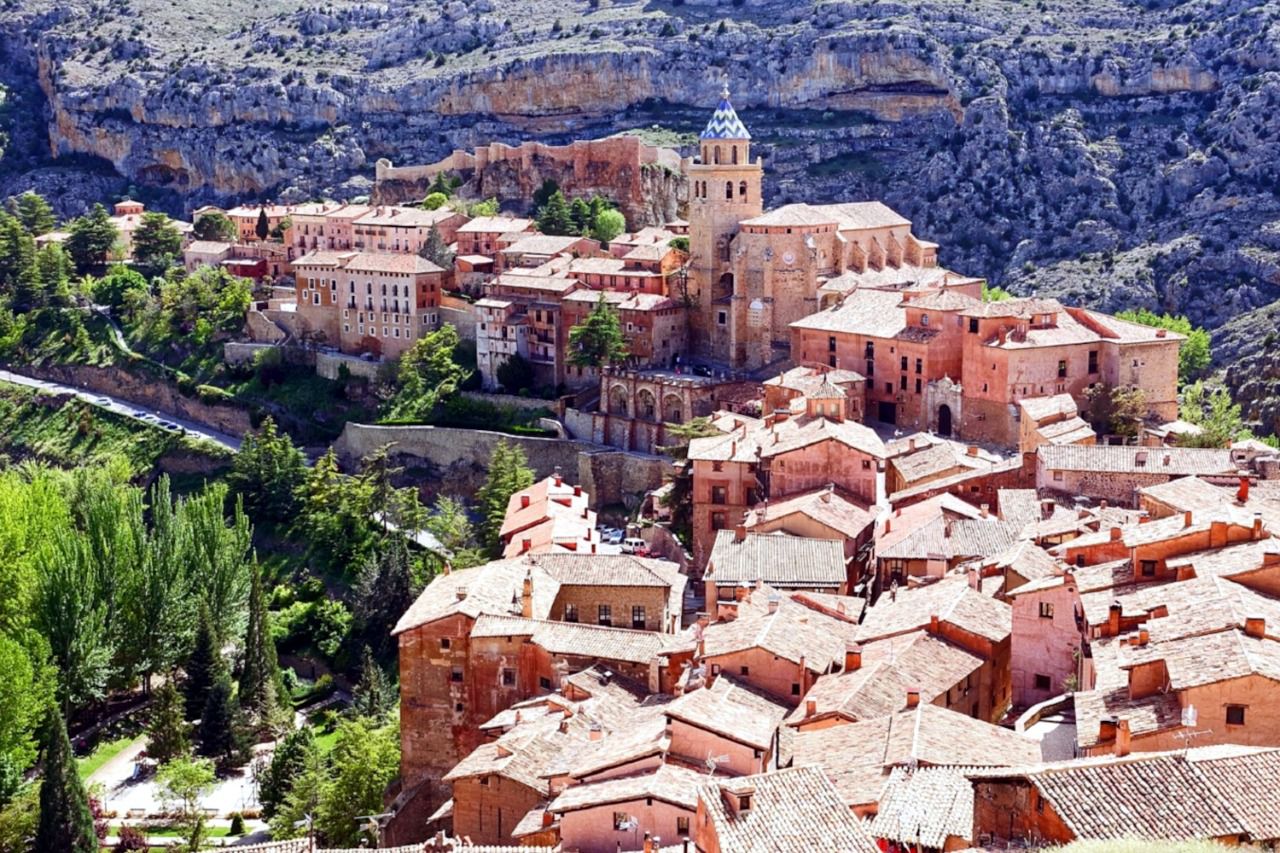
pixel 263 328
pixel 242 352
pixel 460 458
pixel 512 400
pixel 147 390
pixel 328 366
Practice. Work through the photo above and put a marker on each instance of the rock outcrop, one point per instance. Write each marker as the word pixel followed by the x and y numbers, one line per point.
pixel 1123 151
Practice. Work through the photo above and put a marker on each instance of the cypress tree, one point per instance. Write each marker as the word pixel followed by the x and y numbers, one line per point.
pixel 263 228
pixel 373 695
pixel 168 732
pixel 261 689
pixel 555 217
pixel 216 733
pixel 66 824
pixel 202 666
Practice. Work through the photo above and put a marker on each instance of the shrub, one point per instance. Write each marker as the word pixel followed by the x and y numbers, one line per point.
pixel 237 824
pixel 130 838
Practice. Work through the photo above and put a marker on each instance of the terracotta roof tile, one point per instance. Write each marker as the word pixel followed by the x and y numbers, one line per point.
pixel 778 559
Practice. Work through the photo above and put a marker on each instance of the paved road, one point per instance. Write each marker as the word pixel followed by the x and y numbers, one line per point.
pixel 124 407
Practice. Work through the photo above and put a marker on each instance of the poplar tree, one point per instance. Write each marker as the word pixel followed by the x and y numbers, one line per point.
pixel 261 688
pixel 66 824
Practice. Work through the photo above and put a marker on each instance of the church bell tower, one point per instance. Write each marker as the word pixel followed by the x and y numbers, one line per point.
pixel 724 189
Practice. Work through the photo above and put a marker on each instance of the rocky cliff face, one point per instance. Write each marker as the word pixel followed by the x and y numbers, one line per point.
pixel 1120 152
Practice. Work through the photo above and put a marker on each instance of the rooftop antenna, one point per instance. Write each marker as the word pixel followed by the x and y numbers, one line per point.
pixel 714 761
pixel 1190 716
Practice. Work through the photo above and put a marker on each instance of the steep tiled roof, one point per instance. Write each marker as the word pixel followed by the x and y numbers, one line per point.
pixel 541 244
pixel 778 559
pixel 950 599
pixel 1102 458
pixel 863 312
pixel 724 123
pixel 925 807
pixel 1246 784
pixel 1146 716
pixel 376 262
pixel 795 433
pixel 937 458
pixel 793 632
pixel 942 300
pixel 831 508
pixel 495 225
pixel 732 710
pixel 857 215
pixel 793 811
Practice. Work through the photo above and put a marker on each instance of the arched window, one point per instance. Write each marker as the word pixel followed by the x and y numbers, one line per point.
pixel 728 190
pixel 716 155
pixel 735 155
pixel 742 189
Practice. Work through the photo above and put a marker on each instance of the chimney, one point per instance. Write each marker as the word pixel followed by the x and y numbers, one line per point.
pixel 742 591
pixel 810 707
pixel 733 448
pixel 773 604
pixel 1107 729
pixel 1144 636
pixel 985 509
pixel 739 532
pixel 1160 333
pixel 852 657
pixel 526 545
pixel 911 444
pixel 1255 626
pixel 1186 572
pixel 1113 619
pixel 1257 525
pixel 461 593
pixel 1002 335
pixel 1122 738
pixel 524 501
pixel 577 491
pixel 1115 534
pixel 972 450
pixel 547 818
pixel 596 733
pixel 1271 558
pixel 913 697
pixel 1187 519
pixel 526 597
pixel 1242 493
pixel 888 524
pixel 933 623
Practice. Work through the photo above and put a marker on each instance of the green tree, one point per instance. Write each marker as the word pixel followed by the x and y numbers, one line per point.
pixel 373 696
pixel 182 784
pixel 679 498
pixel 680 244
pixel 66 824
pixel 429 373
pixel 509 472
pixel 515 374
pixel 91 239
pixel 156 595
pixel 554 217
pixel 443 184
pixel 114 288
pixel 157 243
pixel 383 593
pixel 72 614
pixel 486 207
pixel 288 762
pixel 33 212
pixel 543 193
pixel 17 263
pixel 53 272
pixel 436 250
pixel 608 225
pixel 364 761
pixel 263 227
pixel 994 294
pixel 435 201
pixel 218 561
pixel 217 733
pixel 202 666
pixel 597 341
pixel 267 472
pixel 262 694
pixel 26 692
pixel 580 212
pixel 1220 418
pixel 1193 356
pixel 168 733
pixel 451 526
pixel 216 227
pixel 281 229
pixel 302 799
pixel 1115 410
pixel 19 820
pixel 334 517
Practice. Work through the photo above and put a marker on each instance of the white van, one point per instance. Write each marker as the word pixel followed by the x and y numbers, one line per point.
pixel 632 545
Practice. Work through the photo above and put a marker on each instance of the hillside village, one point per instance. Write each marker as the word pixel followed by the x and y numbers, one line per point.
pixel 922 598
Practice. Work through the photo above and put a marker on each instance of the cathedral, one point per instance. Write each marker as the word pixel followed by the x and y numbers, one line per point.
pixel 752 273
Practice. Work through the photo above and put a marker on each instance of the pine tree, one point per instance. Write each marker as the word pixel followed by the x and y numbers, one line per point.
pixel 581 214
pixel 34 213
pixel 266 473
pixel 598 339
pixel 287 763
pixel 555 217
pixel 372 696
pixel 261 690
pixel 436 249
pixel 263 228
pixel 91 239
pixel 157 243
pixel 66 824
pixel 53 274
pixel 215 226
pixel 509 472
pixel 383 592
pixel 202 666
pixel 168 733
pixel 17 254
pixel 216 735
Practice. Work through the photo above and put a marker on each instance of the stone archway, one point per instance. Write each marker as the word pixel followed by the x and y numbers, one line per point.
pixel 673 409
pixel 618 400
pixel 944 420
pixel 646 405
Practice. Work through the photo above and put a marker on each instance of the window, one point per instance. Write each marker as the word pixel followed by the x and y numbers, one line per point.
pixel 1148 568
pixel 870 350
pixel 888 387
pixel 444 644
pixel 682 826
pixel 1046 610
pixel 918 386
pixel 717 521
pixel 728 190
pixel 742 186
pixel 904 363
pixel 919 365
pixel 1062 369
pixel 722 317
pixel 866 464
pixel 620 821
pixel 717 466
pixel 638 621
pixel 508 677
pixel 744 670
pixel 871 367
pixel 1057 476
pixel 1039 799
pixel 902 383
pixel 1093 361
pixel 571 613
pixel 484 780
pixel 456 674
pixel 458 707
pixel 924 319
pixel 1235 715
pixel 795 688
pixel 605 615
pixel 973 325
pixel 831 343
pixel 544 683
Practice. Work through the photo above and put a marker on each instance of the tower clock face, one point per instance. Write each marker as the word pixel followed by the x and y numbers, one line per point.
pixel 788 257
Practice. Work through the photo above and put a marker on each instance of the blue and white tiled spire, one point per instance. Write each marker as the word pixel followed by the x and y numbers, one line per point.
pixel 725 123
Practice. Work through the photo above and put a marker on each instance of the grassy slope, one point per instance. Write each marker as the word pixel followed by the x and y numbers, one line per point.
pixel 77 433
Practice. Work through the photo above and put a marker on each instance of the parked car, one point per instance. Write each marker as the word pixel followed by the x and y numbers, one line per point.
pixel 632 545
pixel 612 535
